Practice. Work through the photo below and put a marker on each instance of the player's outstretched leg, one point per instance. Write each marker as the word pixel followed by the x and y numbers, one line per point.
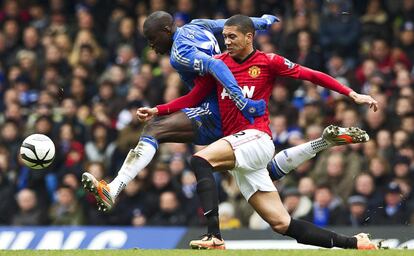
pixel 288 159
pixel 308 233
pixel 173 128
pixel 269 206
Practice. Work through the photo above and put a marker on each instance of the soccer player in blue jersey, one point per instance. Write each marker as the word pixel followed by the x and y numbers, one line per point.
pixel 191 48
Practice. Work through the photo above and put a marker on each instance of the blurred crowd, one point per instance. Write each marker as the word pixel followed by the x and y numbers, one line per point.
pixel 77 71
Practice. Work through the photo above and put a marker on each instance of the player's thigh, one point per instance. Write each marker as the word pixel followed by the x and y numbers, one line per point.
pixel 219 154
pixel 270 207
pixel 253 149
pixel 176 127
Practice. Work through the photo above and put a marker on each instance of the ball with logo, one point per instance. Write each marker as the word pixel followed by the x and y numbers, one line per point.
pixel 37 151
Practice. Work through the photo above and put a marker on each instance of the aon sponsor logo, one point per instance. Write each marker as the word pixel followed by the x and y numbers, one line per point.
pixel 248 92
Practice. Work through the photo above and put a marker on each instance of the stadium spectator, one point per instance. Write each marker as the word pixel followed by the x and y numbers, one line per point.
pixel 338 167
pixel 326 209
pixel 406 38
pixel 374 22
pixel 227 216
pixel 190 200
pixel 297 205
pixel 66 210
pixel 356 213
pixel 138 218
pixel 69 111
pixel 70 152
pixel 29 213
pixel 379 168
pixel 339 29
pixel 384 142
pixel 394 211
pixel 7 204
pixel 365 186
pixel 100 148
pixel 10 136
pixel 170 213
pixel 307 187
pixel 130 205
pixel 160 181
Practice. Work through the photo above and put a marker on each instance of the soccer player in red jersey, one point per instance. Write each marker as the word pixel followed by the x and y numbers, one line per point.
pixel 247 148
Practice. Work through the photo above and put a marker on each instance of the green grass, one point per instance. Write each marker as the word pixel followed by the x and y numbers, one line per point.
pixel 207 253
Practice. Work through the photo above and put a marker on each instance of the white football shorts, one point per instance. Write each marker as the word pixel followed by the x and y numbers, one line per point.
pixel 253 150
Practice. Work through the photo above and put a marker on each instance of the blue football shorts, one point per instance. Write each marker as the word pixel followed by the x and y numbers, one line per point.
pixel 206 123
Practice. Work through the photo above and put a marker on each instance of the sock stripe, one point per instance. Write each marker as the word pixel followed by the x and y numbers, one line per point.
pixel 276 172
pixel 151 140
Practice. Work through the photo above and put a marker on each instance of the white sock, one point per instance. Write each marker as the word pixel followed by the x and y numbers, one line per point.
pixel 291 158
pixel 136 160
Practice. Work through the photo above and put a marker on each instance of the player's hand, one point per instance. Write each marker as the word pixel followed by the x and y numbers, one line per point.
pixel 364 99
pixel 270 19
pixel 253 108
pixel 145 114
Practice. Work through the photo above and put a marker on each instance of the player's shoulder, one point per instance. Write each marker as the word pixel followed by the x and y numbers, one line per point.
pixel 269 56
pixel 262 57
pixel 198 22
pixel 221 56
pixel 275 58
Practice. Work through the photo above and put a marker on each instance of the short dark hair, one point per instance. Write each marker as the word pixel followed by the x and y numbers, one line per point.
pixel 157 21
pixel 324 185
pixel 243 22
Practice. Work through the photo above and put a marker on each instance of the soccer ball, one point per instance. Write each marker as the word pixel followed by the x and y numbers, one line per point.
pixel 37 151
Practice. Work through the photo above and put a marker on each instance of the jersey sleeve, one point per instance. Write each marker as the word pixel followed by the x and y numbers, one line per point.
pixel 203 87
pixel 185 57
pixel 281 66
pixel 189 58
pixel 261 23
pixel 323 80
pixel 216 26
pixel 286 68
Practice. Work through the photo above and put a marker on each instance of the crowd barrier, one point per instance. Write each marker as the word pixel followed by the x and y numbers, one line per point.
pixel 37 238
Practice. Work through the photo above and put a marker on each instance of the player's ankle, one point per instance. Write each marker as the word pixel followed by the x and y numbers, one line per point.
pixel 115 188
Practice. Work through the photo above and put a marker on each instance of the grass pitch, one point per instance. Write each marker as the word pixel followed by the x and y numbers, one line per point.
pixel 207 253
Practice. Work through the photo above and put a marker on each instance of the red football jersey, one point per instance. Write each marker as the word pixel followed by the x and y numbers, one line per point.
pixel 255 76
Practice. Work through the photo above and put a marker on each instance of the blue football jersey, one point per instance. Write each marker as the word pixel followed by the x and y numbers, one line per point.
pixel 194 45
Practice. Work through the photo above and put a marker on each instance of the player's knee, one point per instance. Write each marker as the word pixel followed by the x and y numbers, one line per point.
pixel 154 129
pixel 280 224
pixel 199 164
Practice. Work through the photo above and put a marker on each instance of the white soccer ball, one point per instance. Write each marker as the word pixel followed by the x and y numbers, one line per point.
pixel 37 151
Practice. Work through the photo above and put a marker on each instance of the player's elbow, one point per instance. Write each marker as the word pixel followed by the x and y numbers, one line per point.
pixel 308 74
pixel 214 66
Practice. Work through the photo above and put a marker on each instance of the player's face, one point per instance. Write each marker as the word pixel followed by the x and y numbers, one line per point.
pixel 160 41
pixel 236 42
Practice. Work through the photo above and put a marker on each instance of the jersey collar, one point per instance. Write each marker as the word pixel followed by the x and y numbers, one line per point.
pixel 245 59
pixel 177 31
